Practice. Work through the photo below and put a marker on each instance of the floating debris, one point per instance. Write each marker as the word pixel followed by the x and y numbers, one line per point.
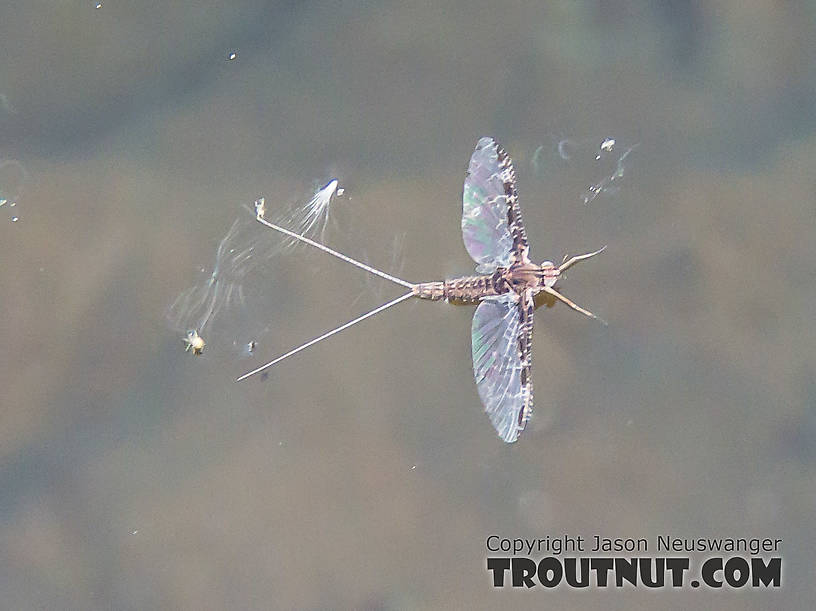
pixel 601 162
pixel 218 306
pixel 607 145
pixel 312 218
pixel 195 342
pixel 606 184
pixel 13 177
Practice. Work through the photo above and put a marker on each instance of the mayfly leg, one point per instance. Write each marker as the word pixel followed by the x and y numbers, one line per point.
pixel 328 334
pixel 573 305
pixel 578 258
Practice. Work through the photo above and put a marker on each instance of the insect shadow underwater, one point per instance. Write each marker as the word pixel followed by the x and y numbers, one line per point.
pixel 505 288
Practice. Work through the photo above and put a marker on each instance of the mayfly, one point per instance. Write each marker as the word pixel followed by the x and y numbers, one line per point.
pixel 505 288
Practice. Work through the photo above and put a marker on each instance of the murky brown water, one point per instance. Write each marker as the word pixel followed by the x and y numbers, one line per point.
pixel 363 473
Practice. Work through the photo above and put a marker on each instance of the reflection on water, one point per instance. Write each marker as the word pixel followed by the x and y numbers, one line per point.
pixel 135 477
pixel 603 160
pixel 217 309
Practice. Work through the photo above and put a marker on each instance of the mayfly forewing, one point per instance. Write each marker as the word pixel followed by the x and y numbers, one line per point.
pixel 521 247
pixel 501 380
pixel 485 230
pixel 491 219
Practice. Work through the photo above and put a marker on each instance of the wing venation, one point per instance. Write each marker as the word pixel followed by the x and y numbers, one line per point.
pixel 492 227
pixel 502 336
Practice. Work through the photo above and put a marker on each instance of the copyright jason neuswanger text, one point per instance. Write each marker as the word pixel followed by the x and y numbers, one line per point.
pixel 581 562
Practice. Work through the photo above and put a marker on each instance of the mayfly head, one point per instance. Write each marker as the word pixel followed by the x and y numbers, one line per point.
pixel 549 273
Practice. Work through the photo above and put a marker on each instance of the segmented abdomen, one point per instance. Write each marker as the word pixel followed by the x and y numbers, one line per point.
pixel 468 289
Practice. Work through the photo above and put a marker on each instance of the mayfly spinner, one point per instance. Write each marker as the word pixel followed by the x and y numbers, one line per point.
pixel 504 289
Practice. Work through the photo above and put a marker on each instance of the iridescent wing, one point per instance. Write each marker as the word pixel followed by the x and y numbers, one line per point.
pixel 492 228
pixel 502 336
